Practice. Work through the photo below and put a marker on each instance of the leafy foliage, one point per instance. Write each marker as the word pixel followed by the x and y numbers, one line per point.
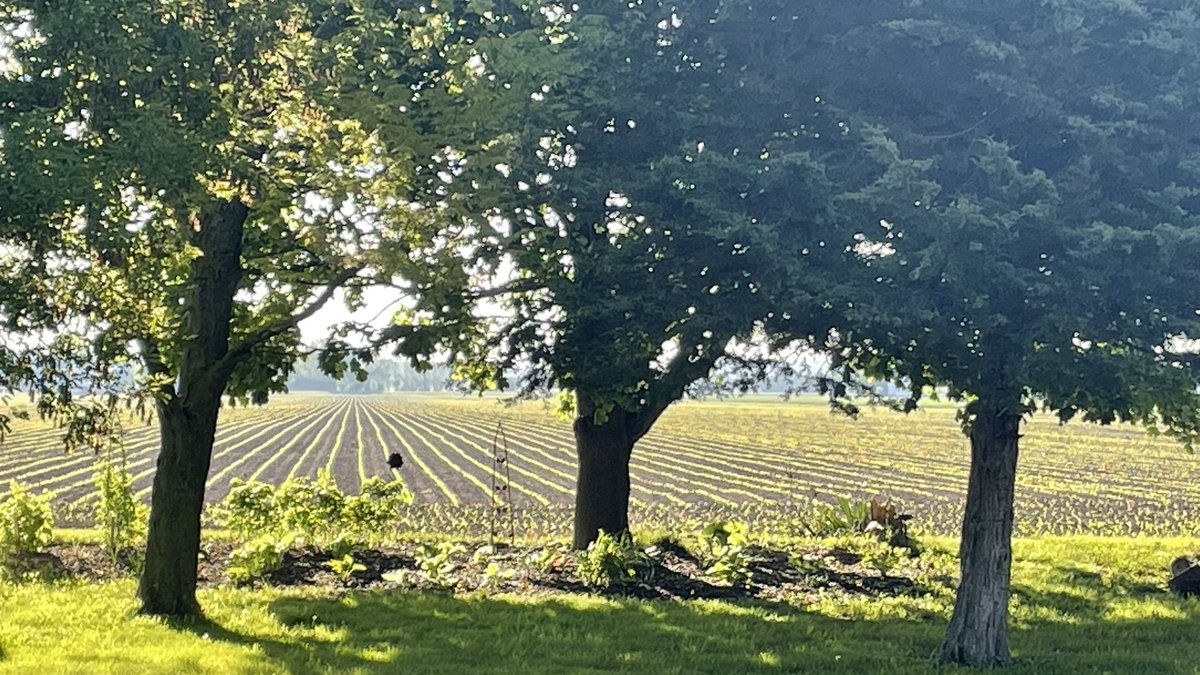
pixel 345 567
pixel 881 520
pixel 26 520
pixel 725 551
pixel 845 515
pixel 996 184
pixel 625 275
pixel 612 561
pixel 120 516
pixel 312 512
pixel 258 557
pixel 248 509
pixel 435 561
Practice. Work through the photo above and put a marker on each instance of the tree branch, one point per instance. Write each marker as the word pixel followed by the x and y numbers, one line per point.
pixel 522 286
pixel 243 348
pixel 158 370
pixel 679 374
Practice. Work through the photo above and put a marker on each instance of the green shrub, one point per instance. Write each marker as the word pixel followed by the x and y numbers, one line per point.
pixel 311 509
pixel 612 561
pixel 345 567
pixel 495 576
pixel 26 521
pixel 368 515
pixel 435 561
pixel 257 558
pixel 876 518
pixel 492 573
pixel 248 510
pixel 844 517
pixel 725 552
pixel 314 512
pixel 121 518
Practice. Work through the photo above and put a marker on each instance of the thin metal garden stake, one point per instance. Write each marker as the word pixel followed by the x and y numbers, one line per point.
pixel 501 495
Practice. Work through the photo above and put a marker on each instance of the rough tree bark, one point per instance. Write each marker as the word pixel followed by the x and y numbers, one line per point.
pixel 978 632
pixel 168 583
pixel 187 414
pixel 604 443
pixel 602 487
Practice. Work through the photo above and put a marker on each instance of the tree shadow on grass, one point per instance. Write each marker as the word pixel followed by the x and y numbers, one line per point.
pixel 1100 627
pixel 394 631
pixel 390 632
pixel 1123 583
pixel 1088 592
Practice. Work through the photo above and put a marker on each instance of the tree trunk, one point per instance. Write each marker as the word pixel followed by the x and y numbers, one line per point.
pixel 602 488
pixel 187 412
pixel 978 632
pixel 168 584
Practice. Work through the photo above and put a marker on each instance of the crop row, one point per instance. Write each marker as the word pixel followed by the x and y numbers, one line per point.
pixel 739 459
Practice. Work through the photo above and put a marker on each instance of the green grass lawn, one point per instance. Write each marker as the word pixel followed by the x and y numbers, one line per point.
pixel 1081 605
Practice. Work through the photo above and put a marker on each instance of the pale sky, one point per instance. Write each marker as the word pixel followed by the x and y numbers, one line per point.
pixel 377 311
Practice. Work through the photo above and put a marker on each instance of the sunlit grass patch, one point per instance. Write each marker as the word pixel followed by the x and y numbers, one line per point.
pixel 1082 604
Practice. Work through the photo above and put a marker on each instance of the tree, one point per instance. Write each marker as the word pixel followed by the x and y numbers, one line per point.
pixel 194 179
pixel 381 376
pixel 1022 178
pixel 620 254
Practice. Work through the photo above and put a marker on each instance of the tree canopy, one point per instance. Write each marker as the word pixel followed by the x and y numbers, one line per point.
pixel 613 200
pixel 1022 206
pixel 627 250
pixel 192 180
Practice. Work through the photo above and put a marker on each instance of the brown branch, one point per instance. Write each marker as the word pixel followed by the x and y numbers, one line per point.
pixel 244 347
pixel 523 286
pixel 152 359
pixel 680 373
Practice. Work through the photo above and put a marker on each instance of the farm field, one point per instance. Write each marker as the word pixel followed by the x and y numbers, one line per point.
pixel 757 459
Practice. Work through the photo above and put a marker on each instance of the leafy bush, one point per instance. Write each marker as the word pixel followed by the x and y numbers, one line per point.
pixel 613 561
pixel 248 510
pixel 312 509
pixel 435 561
pixel 368 515
pixel 495 576
pixel 345 567
pixel 26 520
pixel 120 516
pixel 725 552
pixel 879 519
pixel 845 516
pixel 315 512
pixel 257 558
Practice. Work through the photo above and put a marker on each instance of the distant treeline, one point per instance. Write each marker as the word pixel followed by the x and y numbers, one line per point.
pixel 392 376
pixel 384 376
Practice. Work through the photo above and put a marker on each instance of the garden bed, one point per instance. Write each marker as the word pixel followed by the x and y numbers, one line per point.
pixel 796 574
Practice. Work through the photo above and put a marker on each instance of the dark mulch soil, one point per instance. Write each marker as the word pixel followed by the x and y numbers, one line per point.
pixel 675 573
pixel 87 562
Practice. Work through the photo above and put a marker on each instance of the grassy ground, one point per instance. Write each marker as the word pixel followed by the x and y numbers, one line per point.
pixel 1081 605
